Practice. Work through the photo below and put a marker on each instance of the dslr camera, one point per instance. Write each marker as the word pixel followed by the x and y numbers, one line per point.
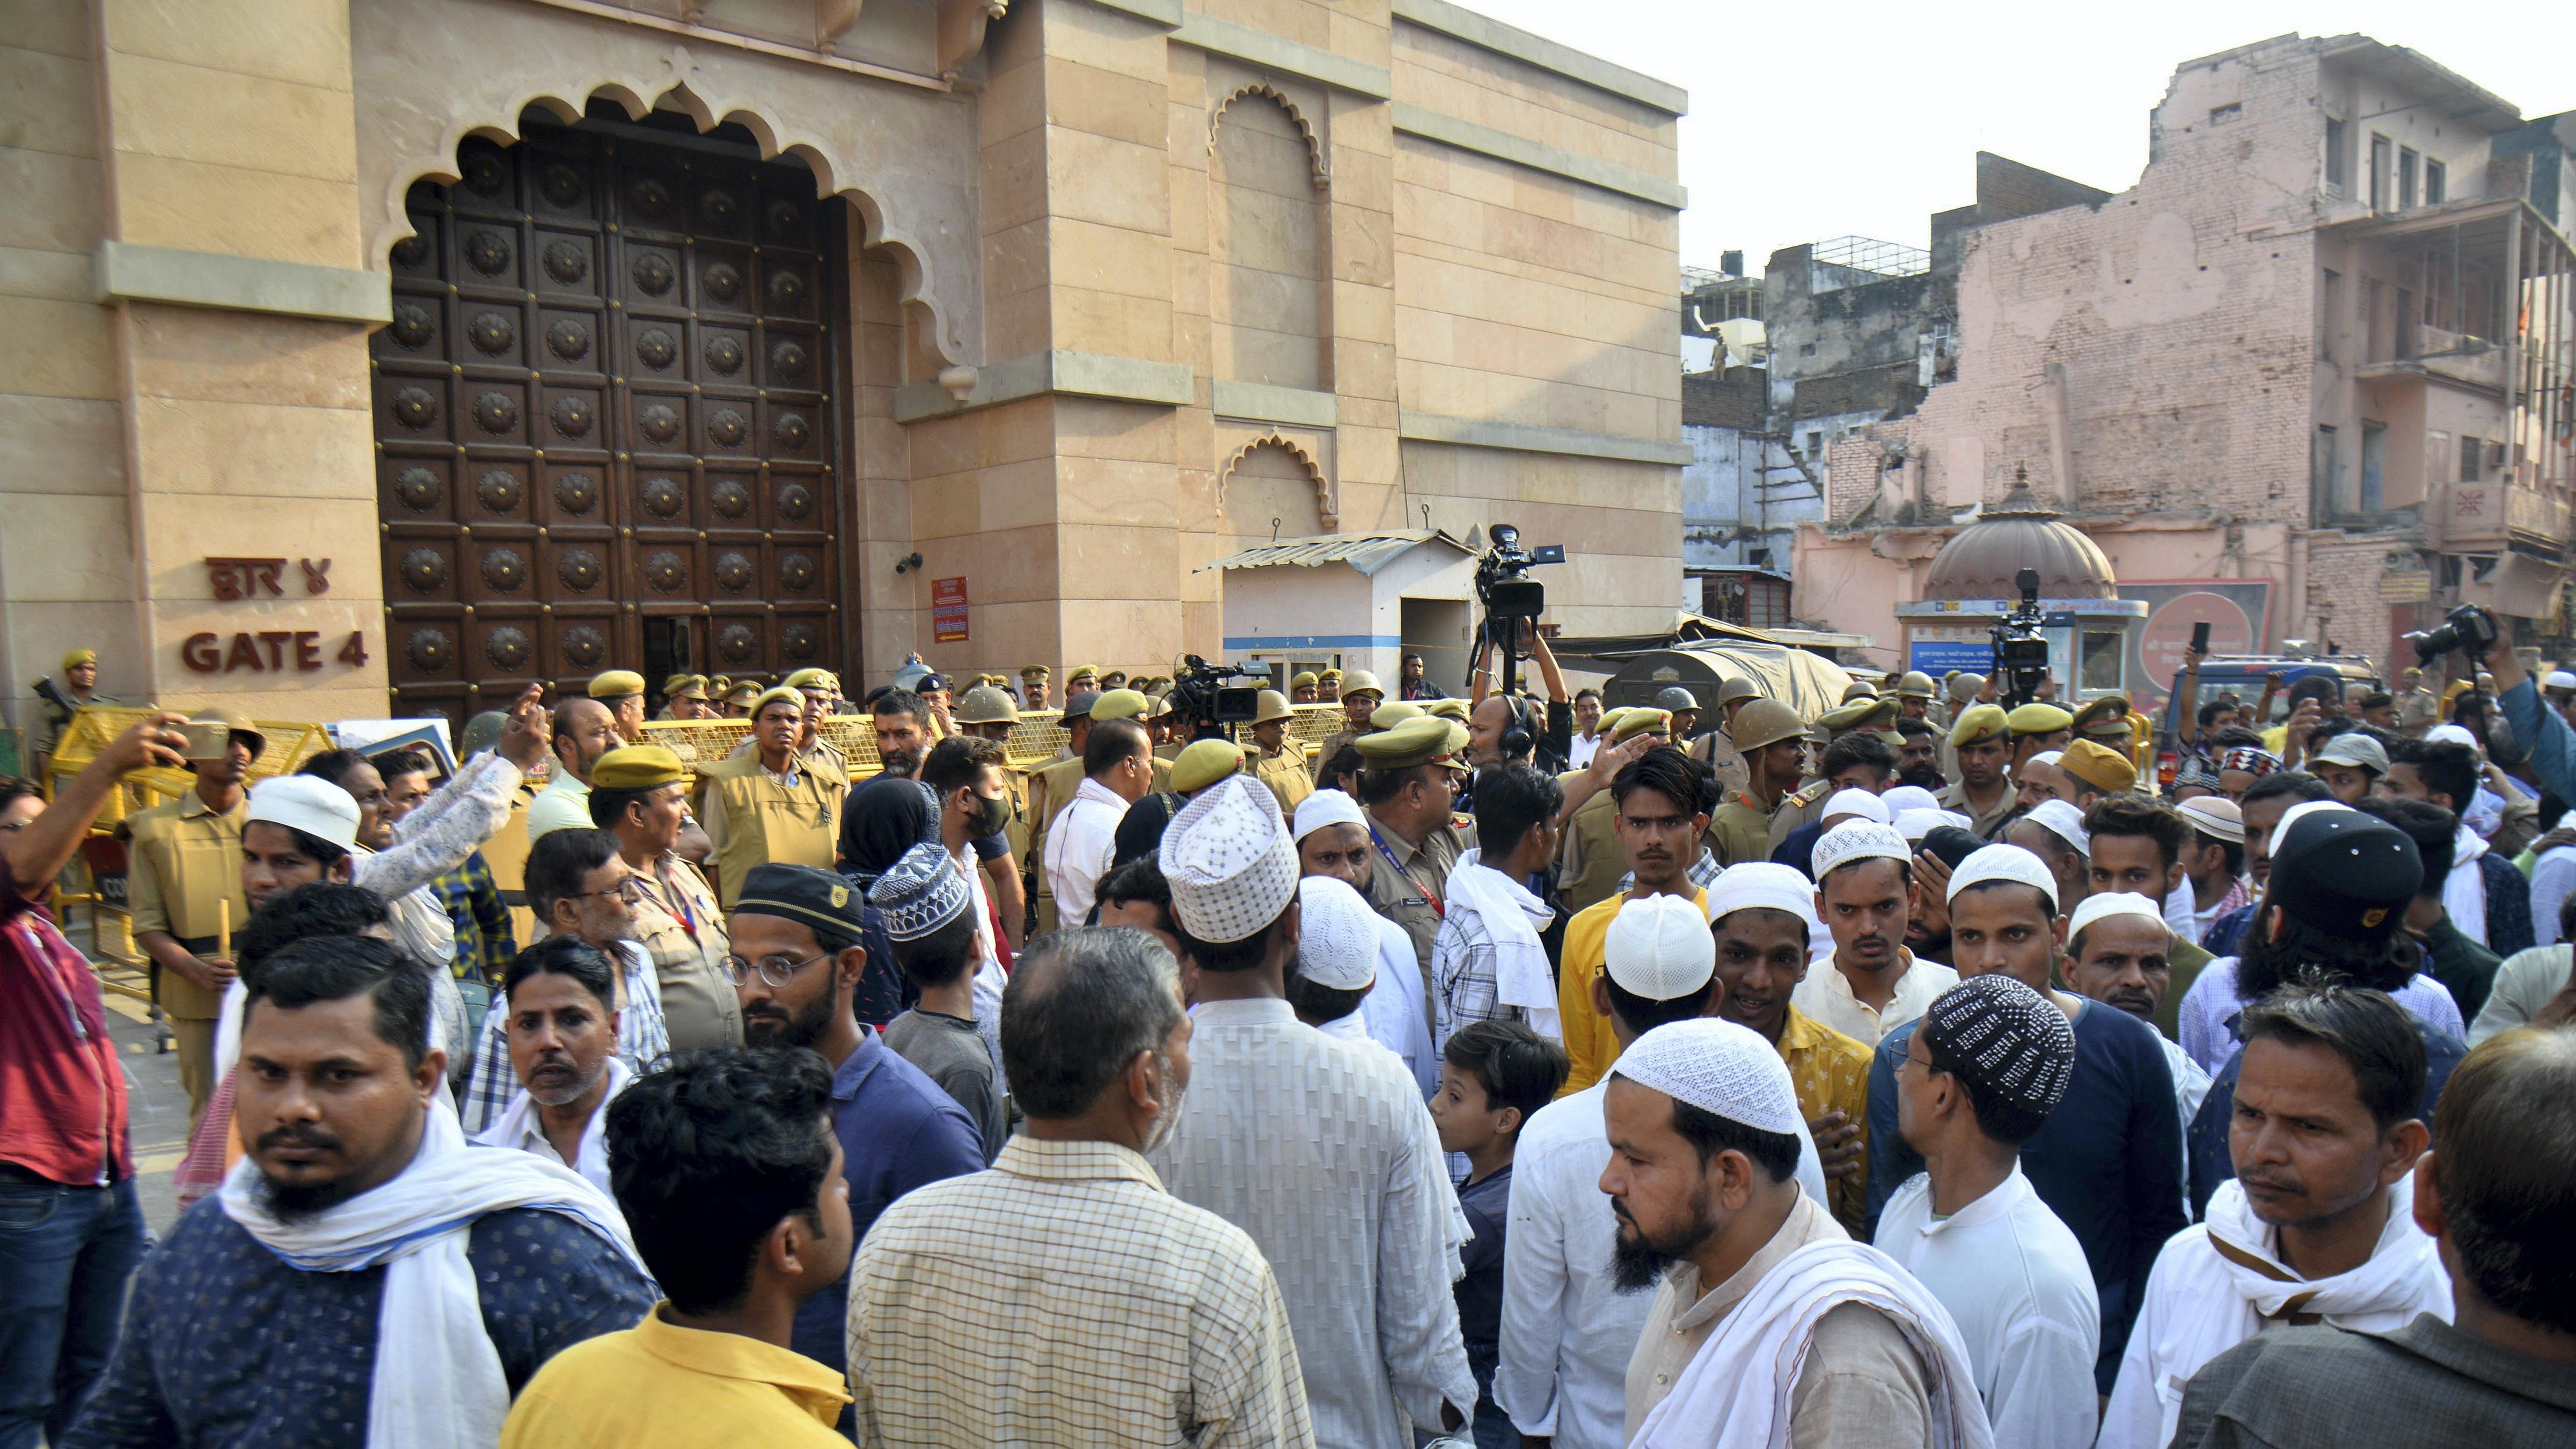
pixel 2021 650
pixel 2466 627
pixel 1202 697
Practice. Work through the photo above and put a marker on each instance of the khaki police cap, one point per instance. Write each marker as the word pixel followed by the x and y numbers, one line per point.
pixel 1083 671
pixel 616 684
pixel 743 693
pixel 235 723
pixel 78 657
pixel 1035 671
pixel 637 767
pixel 2036 718
pixel 1117 704
pixel 1303 678
pixel 1448 709
pixel 1731 690
pixel 720 684
pixel 1641 721
pixel 693 687
pixel 1204 763
pixel 986 705
pixel 1421 740
pixel 2108 715
pixel 672 685
pixel 1764 722
pixel 822 679
pixel 1860 714
pixel 1388 715
pixel 1274 705
pixel 768 697
pixel 1916 685
pixel 1360 681
pixel 1979 725
pixel 1859 689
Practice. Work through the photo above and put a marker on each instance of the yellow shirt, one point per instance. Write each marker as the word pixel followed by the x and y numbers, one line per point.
pixel 1830 1072
pixel 1590 1043
pixel 659 1386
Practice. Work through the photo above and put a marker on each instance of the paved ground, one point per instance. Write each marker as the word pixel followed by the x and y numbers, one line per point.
pixel 158 1107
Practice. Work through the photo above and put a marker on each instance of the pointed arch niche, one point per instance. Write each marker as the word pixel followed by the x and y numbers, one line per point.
pixel 1268 314
pixel 1272 483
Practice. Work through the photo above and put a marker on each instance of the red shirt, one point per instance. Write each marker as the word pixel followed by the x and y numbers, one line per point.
pixel 62 1090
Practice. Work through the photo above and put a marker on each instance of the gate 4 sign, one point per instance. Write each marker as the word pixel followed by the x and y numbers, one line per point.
pixel 948 611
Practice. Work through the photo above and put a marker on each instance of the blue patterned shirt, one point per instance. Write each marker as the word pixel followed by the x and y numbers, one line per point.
pixel 484 941
pixel 224 1344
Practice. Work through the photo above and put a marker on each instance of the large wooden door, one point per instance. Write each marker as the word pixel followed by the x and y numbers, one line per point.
pixel 604 418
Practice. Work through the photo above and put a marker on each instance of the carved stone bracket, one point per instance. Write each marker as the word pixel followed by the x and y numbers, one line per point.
pixel 961 32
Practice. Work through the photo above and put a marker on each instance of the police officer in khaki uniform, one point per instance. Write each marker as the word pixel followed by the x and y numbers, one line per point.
pixel 184 892
pixel 622 690
pixel 1036 689
pixel 1715 749
pixel 1277 760
pixel 1982 742
pixel 2110 723
pixel 1806 804
pixel 1202 763
pixel 1919 697
pixel 1740 829
pixel 986 711
pixel 770 806
pixel 2038 727
pixel 1328 686
pixel 1303 689
pixel 1410 782
pixel 1359 694
pixel 80 689
pixel 1591 861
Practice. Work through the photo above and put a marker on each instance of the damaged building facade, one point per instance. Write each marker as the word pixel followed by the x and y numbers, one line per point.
pixel 2309 379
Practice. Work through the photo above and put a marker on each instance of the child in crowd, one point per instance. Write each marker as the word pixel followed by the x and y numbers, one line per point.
pixel 1493 1075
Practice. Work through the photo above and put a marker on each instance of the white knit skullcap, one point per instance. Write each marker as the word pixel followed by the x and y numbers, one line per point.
pixel 1858 840
pixel 1659 948
pixel 2063 821
pixel 2215 816
pixel 1336 934
pixel 1719 1067
pixel 2046 757
pixel 2450 734
pixel 1915 824
pixel 1759 884
pixel 2113 903
pixel 2294 815
pixel 1327 807
pixel 2004 863
pixel 1231 866
pixel 2559 679
pixel 1900 798
pixel 308 803
pixel 1856 802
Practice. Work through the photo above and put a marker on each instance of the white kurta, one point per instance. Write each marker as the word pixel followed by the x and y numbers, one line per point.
pixel 521 1129
pixel 1826 995
pixel 1322 1151
pixel 2016 1283
pixel 1393 1008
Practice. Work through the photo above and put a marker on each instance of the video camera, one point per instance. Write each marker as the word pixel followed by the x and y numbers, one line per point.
pixel 1200 695
pixel 2466 627
pixel 2021 650
pixel 1502 575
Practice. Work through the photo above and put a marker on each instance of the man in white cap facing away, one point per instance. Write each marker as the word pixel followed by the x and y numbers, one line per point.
pixel 2054 831
pixel 2108 1161
pixel 1336 958
pixel 2119 952
pixel 1990 1061
pixel 1333 840
pixel 1568 1329
pixel 2214 860
pixel 1864 891
pixel 1754 1282
pixel 1320 1149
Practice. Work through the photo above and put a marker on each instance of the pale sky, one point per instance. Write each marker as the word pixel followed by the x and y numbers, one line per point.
pixel 1865 118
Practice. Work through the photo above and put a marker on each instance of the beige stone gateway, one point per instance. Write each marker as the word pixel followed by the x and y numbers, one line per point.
pixel 387 354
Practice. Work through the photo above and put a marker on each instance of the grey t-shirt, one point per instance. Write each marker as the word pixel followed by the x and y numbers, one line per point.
pixel 950 1051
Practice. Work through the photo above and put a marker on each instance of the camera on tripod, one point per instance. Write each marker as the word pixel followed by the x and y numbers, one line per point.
pixel 1201 696
pixel 2466 627
pixel 2021 650
pixel 1502 575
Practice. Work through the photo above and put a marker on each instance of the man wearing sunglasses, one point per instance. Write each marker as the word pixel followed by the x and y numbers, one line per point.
pixel 796 960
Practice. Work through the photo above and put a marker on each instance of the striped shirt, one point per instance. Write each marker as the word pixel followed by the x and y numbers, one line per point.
pixel 1063 1297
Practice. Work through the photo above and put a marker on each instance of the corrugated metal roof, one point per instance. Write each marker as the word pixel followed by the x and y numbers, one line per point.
pixel 1366 552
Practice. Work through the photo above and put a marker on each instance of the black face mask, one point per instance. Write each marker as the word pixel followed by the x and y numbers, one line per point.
pixel 992 816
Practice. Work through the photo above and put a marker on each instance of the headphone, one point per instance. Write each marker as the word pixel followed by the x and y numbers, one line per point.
pixel 1518 737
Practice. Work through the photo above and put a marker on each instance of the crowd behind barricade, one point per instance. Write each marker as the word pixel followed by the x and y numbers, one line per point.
pixel 1503 1070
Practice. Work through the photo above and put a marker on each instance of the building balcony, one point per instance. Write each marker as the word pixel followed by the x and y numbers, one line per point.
pixel 2498 516
pixel 2442 357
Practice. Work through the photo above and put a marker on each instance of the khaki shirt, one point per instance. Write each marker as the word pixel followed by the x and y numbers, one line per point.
pixel 1407 897
pixel 1805 806
pixel 1738 832
pixel 1332 746
pixel 183 861
pixel 1984 827
pixel 1861 1382
pixel 1714 750
pixel 754 819
pixel 1284 771
pixel 1591 860
pixel 698 1001
pixel 54 726
pixel 1050 789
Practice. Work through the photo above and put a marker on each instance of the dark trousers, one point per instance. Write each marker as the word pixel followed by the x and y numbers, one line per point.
pixel 65 1256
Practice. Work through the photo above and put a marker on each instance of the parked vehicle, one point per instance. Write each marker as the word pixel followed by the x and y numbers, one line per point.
pixel 2243 675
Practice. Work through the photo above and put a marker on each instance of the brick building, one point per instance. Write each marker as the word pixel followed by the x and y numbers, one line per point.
pixel 2308 378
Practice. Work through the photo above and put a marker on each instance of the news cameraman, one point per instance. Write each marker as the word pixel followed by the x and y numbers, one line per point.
pixel 2535 726
pixel 1491 717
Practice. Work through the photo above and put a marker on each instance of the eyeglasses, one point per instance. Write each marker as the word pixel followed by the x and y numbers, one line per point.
pixel 629 890
pixel 776 970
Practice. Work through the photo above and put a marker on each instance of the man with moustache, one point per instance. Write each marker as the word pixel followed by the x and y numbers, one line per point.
pixel 559 999
pixel 1873 983
pixel 584 730
pixel 2119 952
pixel 183 879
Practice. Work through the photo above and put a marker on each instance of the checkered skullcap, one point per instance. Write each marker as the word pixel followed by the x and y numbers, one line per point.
pixel 2003 1038
pixel 920 893
pixel 1719 1067
pixel 1229 861
pixel 1336 934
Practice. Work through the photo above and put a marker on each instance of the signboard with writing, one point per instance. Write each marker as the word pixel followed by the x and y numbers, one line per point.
pixel 1938 657
pixel 233 580
pixel 948 610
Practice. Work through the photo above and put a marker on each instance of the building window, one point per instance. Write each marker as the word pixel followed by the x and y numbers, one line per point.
pixel 2329 314
pixel 2380 156
pixel 2221 115
pixel 2406 161
pixel 2435 183
pixel 2099 666
pixel 1815 445
pixel 2322 465
pixel 2470 448
pixel 2374 467
pixel 2338 170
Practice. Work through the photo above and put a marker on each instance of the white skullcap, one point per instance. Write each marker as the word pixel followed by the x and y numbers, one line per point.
pixel 1722 1069
pixel 1759 884
pixel 1900 798
pixel 1231 867
pixel 2451 734
pixel 1915 824
pixel 1991 863
pixel 2063 821
pixel 1659 948
pixel 2559 679
pixel 1336 934
pixel 1857 802
pixel 1327 807
pixel 2294 815
pixel 2215 816
pixel 1855 840
pixel 2046 757
pixel 2113 903
pixel 308 803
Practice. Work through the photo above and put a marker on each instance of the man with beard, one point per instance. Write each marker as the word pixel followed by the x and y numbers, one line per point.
pixel 1872 983
pixel 2108 1161
pixel 559 1001
pixel 1184 1333
pixel 1758 918
pixel 2119 952
pixel 796 961
pixel 1927 907
pixel 1753 1279
pixel 902 721
pixel 584 730
pixel 1332 839
pixel 183 881
pixel 772 806
pixel 367 1277
pixel 2135 844
pixel 1918 753
pixel 2318 1224
pixel 1983 791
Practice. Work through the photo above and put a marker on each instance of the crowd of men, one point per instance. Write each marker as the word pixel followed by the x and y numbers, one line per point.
pixel 1508 1071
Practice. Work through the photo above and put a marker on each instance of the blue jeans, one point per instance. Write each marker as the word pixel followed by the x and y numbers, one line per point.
pixel 65 1256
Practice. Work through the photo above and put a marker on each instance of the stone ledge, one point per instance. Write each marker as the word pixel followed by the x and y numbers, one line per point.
pixel 1263 402
pixel 1166 13
pixel 1486 141
pixel 1490 34
pixel 1078 374
pixel 1261 48
pixel 1521 438
pixel 124 272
